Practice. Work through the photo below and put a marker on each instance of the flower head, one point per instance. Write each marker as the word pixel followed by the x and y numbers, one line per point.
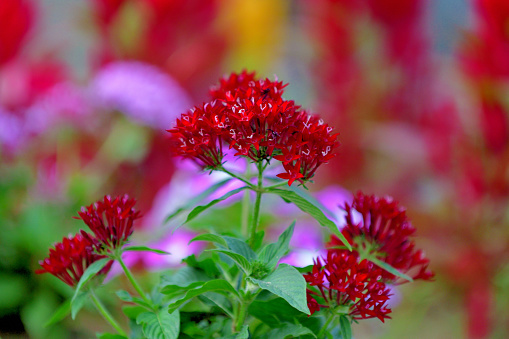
pixel 380 226
pixel 250 116
pixel 110 220
pixel 70 258
pixel 353 288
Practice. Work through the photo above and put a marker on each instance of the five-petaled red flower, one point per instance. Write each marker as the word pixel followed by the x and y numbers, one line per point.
pixel 354 288
pixel 110 220
pixel 251 117
pixel 69 259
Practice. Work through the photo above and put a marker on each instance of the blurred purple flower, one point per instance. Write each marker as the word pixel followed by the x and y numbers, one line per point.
pixel 12 137
pixel 141 91
pixel 305 245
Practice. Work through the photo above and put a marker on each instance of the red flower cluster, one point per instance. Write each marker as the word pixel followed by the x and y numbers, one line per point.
pixel 344 282
pixel 70 258
pixel 16 17
pixel 111 221
pixel 251 117
pixel 380 226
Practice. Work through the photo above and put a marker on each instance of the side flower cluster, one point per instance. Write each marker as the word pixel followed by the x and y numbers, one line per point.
pixel 381 227
pixel 70 258
pixel 251 117
pixel 111 222
pixel 351 284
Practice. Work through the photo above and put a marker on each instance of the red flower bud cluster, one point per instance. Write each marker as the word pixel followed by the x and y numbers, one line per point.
pixel 380 226
pixel 353 288
pixel 251 117
pixel 70 258
pixel 110 220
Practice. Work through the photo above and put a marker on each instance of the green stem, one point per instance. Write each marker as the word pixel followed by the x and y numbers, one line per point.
pixel 256 214
pixel 106 315
pixel 241 316
pixel 130 277
pixel 236 176
pixel 325 326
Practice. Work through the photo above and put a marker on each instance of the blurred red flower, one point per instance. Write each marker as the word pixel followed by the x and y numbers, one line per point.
pixel 16 17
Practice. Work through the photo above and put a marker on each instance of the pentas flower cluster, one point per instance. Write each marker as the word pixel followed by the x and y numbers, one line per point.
pixel 69 259
pixel 379 226
pixel 350 287
pixel 111 221
pixel 251 117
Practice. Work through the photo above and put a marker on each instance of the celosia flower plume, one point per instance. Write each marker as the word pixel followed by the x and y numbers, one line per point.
pixel 69 259
pixel 381 227
pixel 353 288
pixel 251 117
pixel 111 221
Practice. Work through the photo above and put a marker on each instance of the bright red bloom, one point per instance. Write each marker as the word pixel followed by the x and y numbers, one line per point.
pixel 251 117
pixel 16 17
pixel 70 258
pixel 380 226
pixel 343 281
pixel 111 221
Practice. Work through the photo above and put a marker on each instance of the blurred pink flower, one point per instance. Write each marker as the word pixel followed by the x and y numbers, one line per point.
pixel 141 91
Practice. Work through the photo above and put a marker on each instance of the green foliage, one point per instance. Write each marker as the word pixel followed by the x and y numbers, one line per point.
pixel 345 327
pixel 287 283
pixel 144 249
pixel 286 330
pixel 89 273
pixel 271 253
pixel 160 325
pixel 388 268
pixel 77 303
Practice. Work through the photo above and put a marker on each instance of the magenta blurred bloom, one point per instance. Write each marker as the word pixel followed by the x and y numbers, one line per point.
pixel 140 91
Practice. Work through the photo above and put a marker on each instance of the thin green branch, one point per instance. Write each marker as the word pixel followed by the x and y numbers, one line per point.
pixel 106 315
pixel 131 279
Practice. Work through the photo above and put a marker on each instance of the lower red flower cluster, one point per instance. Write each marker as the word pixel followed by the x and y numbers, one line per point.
pixel 251 117
pixel 70 258
pixel 111 221
pixel 344 282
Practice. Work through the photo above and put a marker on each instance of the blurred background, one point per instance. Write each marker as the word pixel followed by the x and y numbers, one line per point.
pixel 417 89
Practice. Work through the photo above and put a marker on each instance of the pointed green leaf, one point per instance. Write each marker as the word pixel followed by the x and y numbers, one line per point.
pixel 244 333
pixel 184 277
pixel 160 325
pixel 307 207
pixel 209 237
pixel 240 247
pixel 218 285
pixel 389 268
pixel 77 303
pixel 273 252
pixel 219 300
pixel 196 200
pixel 240 260
pixel 145 249
pixel 199 209
pixel 287 283
pixel 89 273
pixel 345 327
pixel 127 297
pixel 60 313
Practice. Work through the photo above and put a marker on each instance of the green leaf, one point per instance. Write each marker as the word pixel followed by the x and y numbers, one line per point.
pixel 244 333
pixel 273 252
pixel 199 209
pixel 239 259
pixel 209 237
pixel 132 312
pixel 196 200
pixel 288 330
pixel 160 325
pixel 389 268
pixel 89 273
pixel 208 265
pixel 311 199
pixel 240 247
pixel 110 336
pixel 218 285
pixel 312 210
pixel 345 327
pixel 219 300
pixel 127 297
pixel 184 277
pixel 60 313
pixel 145 249
pixel 77 303
pixel 287 283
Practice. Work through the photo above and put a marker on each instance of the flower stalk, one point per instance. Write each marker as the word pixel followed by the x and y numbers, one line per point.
pixel 106 315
